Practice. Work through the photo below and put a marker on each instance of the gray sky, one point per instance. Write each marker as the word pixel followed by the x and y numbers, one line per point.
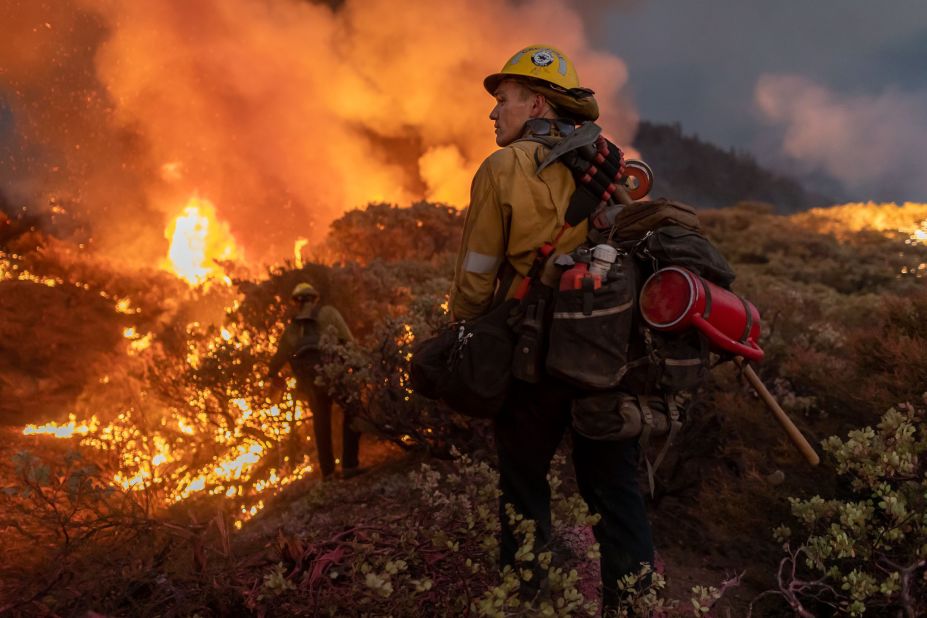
pixel 797 83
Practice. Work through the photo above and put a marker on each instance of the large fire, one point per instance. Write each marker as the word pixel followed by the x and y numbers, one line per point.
pixel 173 453
pixel 284 113
pixel 199 242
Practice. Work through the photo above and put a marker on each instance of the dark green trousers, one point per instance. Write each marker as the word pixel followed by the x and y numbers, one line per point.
pixel 321 405
pixel 528 432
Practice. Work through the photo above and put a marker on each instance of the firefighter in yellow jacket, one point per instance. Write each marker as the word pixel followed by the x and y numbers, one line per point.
pixel 513 211
pixel 299 346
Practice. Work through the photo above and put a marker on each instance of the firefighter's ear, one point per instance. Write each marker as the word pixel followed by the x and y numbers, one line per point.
pixel 540 106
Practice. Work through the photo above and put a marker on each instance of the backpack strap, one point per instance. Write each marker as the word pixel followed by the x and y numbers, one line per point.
pixel 675 424
pixel 654 362
pixel 647 417
pixel 646 431
pixel 749 325
pixel 506 277
pixel 312 316
pixel 567 142
pixel 708 302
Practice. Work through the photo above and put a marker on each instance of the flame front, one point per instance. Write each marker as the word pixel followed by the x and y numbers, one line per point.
pixel 179 452
pixel 198 242
pixel 909 218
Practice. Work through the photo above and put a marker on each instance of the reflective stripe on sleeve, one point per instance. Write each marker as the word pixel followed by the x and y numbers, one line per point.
pixel 480 263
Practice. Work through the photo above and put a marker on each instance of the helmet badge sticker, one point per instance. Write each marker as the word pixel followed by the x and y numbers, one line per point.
pixel 542 58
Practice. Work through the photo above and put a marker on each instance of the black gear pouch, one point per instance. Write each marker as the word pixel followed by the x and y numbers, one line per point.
pixel 468 364
pixel 683 360
pixel 616 415
pixel 590 331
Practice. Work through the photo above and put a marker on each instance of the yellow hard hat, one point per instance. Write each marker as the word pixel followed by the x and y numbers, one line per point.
pixel 541 62
pixel 304 290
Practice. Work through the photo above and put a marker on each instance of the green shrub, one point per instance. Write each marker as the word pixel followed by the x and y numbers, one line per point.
pixel 865 551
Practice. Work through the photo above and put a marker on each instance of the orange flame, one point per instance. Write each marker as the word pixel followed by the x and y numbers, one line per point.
pixel 198 241
pixel 909 218
pixel 66 430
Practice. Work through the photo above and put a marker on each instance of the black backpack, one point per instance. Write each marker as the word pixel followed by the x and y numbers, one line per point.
pixel 308 347
pixel 633 381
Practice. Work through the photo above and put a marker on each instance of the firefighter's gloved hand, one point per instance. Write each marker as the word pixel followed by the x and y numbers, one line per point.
pixel 597 172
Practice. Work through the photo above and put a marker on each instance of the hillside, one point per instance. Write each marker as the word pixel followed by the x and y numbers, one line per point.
pixel 174 490
pixel 700 173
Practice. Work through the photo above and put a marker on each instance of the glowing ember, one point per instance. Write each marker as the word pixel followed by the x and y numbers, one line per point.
pixel 140 344
pixel 11 269
pixel 198 240
pixel 124 306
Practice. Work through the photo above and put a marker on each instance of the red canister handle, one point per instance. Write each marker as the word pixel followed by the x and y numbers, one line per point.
pixel 748 350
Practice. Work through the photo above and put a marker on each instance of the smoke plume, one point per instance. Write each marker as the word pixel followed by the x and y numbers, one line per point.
pixel 872 143
pixel 282 113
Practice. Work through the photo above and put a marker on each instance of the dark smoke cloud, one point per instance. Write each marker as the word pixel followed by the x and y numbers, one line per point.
pixel 874 144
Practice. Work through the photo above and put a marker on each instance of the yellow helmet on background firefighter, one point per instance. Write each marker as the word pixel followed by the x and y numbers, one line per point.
pixel 304 291
pixel 549 72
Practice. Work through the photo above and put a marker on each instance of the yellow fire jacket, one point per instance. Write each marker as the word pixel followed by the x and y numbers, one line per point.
pixel 513 211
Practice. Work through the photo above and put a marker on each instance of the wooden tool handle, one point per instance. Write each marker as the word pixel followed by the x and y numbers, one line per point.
pixel 622 196
pixel 794 434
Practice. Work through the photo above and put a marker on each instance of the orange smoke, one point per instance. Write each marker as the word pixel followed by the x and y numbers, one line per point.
pixel 284 113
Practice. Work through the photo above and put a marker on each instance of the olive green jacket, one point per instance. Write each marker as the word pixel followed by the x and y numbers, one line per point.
pixel 328 318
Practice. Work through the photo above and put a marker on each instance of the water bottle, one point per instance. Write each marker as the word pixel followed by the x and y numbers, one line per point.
pixel 603 257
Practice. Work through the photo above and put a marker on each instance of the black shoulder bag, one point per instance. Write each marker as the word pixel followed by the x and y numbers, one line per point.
pixel 468 363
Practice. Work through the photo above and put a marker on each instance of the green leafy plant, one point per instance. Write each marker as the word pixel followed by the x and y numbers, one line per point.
pixel 865 551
